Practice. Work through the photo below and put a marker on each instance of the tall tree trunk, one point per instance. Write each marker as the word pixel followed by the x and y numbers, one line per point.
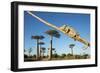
pixel 29 54
pixel 40 51
pixel 72 51
pixel 37 49
pixel 50 53
pixel 43 54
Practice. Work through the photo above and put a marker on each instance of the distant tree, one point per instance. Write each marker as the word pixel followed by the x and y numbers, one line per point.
pixel 43 50
pixel 56 55
pixel 69 54
pixel 40 50
pixel 77 56
pixel 71 46
pixel 85 56
pixel 53 50
pixel 34 56
pixel 30 50
pixel 63 55
pixel 37 38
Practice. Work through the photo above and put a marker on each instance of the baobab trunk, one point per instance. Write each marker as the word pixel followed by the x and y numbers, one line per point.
pixel 37 50
pixel 72 51
pixel 40 52
pixel 73 56
pixel 43 53
pixel 50 52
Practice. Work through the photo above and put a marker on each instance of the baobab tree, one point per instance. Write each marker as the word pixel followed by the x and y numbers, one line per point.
pixel 53 49
pixel 43 51
pixel 40 50
pixel 52 33
pixel 71 46
pixel 37 38
pixel 30 50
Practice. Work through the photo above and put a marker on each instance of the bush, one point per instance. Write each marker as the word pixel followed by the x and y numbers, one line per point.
pixel 34 56
pixel 63 55
pixel 55 55
pixel 69 54
pixel 85 56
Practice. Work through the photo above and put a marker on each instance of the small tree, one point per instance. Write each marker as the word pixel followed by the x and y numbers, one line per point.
pixel 40 50
pixel 34 56
pixel 63 55
pixel 30 50
pixel 56 55
pixel 71 46
pixel 43 51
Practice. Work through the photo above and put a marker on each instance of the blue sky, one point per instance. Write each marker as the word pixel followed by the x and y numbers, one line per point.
pixel 32 26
